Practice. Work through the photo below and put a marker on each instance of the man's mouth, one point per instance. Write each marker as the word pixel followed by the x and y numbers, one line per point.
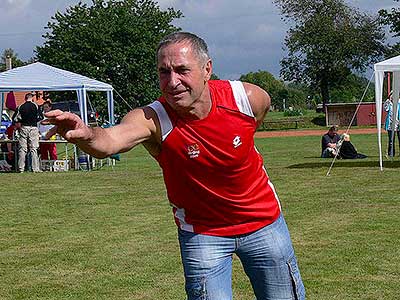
pixel 177 93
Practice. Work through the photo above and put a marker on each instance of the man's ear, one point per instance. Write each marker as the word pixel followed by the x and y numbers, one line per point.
pixel 208 70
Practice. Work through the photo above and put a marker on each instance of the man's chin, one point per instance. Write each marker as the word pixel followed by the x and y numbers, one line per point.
pixel 177 103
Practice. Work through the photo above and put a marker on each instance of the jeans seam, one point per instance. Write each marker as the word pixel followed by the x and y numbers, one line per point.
pixel 295 279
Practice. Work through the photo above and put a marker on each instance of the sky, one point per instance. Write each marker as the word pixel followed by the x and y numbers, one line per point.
pixel 243 35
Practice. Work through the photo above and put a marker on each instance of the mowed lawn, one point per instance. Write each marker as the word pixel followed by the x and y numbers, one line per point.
pixel 109 234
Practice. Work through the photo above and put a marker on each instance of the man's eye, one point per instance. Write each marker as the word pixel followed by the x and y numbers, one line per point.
pixel 164 71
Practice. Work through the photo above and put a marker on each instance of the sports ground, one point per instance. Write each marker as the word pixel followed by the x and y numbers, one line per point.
pixel 310 132
pixel 109 233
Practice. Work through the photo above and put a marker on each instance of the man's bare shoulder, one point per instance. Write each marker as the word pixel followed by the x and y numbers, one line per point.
pixel 259 99
pixel 144 119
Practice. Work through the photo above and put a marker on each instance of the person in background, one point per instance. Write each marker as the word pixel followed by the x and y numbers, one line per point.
pixel 329 142
pixel 12 148
pixel 392 132
pixel 28 114
pixel 47 150
pixel 347 149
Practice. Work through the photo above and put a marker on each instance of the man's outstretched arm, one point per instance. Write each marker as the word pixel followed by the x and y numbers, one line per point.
pixel 139 125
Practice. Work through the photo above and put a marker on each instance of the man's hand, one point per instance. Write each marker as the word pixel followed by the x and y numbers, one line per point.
pixel 331 145
pixel 69 126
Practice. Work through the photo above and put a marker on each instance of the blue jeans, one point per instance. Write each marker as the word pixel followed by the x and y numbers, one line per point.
pixel 391 140
pixel 267 257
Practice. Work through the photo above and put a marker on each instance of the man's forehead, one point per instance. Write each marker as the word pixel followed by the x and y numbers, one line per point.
pixel 175 49
pixel 175 55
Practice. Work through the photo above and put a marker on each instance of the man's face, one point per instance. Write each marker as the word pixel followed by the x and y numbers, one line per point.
pixel 332 133
pixel 182 76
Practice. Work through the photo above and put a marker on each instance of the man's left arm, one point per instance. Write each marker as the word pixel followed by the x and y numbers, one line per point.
pixel 259 99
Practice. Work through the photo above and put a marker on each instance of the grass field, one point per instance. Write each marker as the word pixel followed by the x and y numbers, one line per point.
pixel 310 119
pixel 109 234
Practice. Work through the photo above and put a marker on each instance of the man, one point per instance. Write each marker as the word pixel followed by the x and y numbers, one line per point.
pixel 329 143
pixel 28 114
pixel 201 133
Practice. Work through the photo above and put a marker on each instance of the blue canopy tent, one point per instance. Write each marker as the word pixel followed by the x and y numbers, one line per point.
pixel 41 77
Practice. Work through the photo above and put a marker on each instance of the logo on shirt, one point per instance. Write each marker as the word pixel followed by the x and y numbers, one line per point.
pixel 193 150
pixel 237 141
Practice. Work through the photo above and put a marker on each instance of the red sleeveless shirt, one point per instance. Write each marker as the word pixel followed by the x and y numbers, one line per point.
pixel 214 176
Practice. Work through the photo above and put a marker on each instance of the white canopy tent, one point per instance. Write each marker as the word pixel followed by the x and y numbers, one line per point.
pixel 41 77
pixel 390 65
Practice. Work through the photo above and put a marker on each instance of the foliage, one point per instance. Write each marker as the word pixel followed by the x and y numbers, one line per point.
pixel 16 62
pixel 293 112
pixel 293 95
pixel 113 41
pixel 275 88
pixel 297 98
pixel 392 18
pixel 352 89
pixel 328 40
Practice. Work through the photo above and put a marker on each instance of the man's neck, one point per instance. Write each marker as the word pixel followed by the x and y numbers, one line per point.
pixel 200 109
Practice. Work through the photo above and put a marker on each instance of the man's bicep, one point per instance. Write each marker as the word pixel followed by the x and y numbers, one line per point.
pixel 259 99
pixel 136 127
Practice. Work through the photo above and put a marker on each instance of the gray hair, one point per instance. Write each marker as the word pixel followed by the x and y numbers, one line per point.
pixel 199 46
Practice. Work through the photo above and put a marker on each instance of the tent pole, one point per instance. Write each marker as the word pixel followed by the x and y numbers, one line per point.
pixel 379 76
pixel 110 100
pixel 1 105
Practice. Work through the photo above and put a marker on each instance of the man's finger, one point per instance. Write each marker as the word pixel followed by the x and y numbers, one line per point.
pixel 62 119
pixel 53 113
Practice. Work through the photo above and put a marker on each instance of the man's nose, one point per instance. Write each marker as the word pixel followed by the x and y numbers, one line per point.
pixel 173 79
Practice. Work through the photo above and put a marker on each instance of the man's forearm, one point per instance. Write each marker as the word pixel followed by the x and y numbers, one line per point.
pixel 98 144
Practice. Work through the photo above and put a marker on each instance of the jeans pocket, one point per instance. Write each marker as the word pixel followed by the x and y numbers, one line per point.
pixel 298 287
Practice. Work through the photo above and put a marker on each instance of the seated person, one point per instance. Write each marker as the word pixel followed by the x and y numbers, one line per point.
pixel 347 149
pixel 329 142
pixel 11 148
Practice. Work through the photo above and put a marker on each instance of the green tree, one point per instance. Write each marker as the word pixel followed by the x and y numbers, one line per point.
pixel 113 41
pixel 352 89
pixel 214 77
pixel 275 88
pixel 327 41
pixel 392 19
pixel 298 95
pixel 16 62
